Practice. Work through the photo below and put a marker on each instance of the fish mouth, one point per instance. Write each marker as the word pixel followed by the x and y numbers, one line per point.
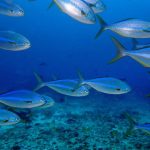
pixel 26 45
pixel 127 90
pixel 21 13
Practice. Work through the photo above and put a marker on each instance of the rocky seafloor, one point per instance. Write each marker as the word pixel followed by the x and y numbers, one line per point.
pixel 96 122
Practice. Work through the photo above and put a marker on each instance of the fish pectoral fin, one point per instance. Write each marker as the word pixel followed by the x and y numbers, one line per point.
pixel 76 87
pixel 12 42
pixel 51 4
pixel 83 13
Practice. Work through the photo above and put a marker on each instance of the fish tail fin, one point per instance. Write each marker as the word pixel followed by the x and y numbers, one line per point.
pixel 132 124
pixel 120 50
pixel 103 26
pixel 40 82
pixel 51 4
pixel 135 43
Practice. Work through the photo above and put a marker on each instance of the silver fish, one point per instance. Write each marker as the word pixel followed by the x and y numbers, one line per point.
pixel 13 41
pixel 77 9
pixel 108 85
pixel 65 87
pixel 97 5
pixel 8 117
pixel 132 28
pixel 22 99
pixel 133 125
pixel 10 9
pixel 142 56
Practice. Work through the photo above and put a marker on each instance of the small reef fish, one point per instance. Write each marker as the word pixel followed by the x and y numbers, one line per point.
pixel 133 125
pixel 49 102
pixel 137 46
pixel 13 41
pixel 22 99
pixel 96 5
pixel 10 9
pixel 108 85
pixel 132 28
pixel 76 9
pixel 65 87
pixel 142 56
pixel 8 118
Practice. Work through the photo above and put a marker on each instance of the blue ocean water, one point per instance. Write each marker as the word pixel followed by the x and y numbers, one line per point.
pixel 61 46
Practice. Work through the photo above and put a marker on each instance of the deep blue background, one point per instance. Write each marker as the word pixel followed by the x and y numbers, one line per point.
pixel 66 45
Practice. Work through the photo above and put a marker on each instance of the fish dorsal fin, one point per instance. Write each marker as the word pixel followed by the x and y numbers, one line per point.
pixel 51 4
pixel 80 81
pixel 38 78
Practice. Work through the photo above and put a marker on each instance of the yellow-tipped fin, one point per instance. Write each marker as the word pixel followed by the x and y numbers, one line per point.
pixel 103 26
pixel 131 126
pixel 51 4
pixel 120 50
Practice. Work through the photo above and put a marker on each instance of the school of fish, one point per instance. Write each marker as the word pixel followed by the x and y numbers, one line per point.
pixel 86 12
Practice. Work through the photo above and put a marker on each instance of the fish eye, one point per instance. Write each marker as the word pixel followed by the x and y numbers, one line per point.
pixel 43 99
pixel 11 10
pixel 118 89
pixel 17 119
pixel 83 13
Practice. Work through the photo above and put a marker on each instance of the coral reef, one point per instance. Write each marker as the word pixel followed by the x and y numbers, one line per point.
pixel 91 123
